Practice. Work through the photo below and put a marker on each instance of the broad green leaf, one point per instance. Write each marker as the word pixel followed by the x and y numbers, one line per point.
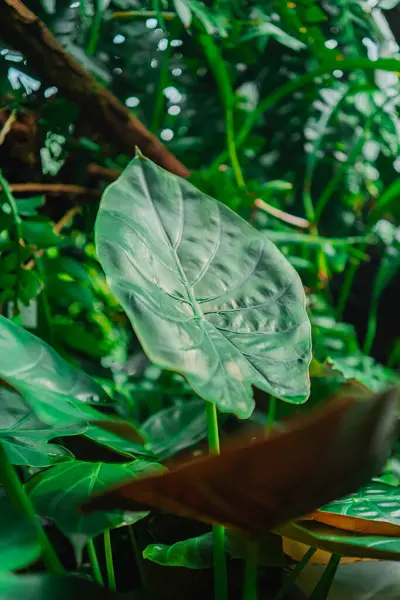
pixel 59 492
pixel 345 543
pixel 207 294
pixel 376 503
pixel 45 379
pixel 50 587
pixel 49 6
pixel 24 437
pixel 175 428
pixel 18 540
pixel 364 369
pixel 197 553
pixel 28 206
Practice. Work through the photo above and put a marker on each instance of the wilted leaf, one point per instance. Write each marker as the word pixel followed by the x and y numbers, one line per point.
pixel 57 493
pixel 207 294
pixel 319 456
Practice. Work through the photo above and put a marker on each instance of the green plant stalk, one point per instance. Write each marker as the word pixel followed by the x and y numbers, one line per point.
pixel 218 68
pixel 95 29
pixel 18 231
pixel 95 563
pixel 271 412
pixel 109 561
pixel 295 573
pixel 346 289
pixel 371 326
pixel 250 573
pixel 137 554
pixel 16 493
pixel 287 89
pixel 323 586
pixel 159 106
pixel 220 575
pixel 144 14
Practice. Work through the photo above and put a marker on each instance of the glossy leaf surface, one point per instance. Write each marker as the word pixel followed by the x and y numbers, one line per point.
pixel 45 379
pixel 318 456
pixel 18 541
pixel 345 543
pixel 373 509
pixel 24 436
pixel 59 492
pixel 207 294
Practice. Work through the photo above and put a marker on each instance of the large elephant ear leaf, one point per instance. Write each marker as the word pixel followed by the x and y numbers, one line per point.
pixel 207 295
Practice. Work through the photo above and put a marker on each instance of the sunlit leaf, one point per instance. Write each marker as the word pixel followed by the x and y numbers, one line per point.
pixel 318 456
pixel 208 295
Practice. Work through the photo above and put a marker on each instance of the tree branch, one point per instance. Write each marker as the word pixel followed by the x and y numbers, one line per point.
pixel 25 32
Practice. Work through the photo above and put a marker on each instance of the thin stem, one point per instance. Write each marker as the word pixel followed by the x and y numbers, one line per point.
pixel 295 573
pixel 94 562
pixel 217 65
pixel 347 285
pixel 18 232
pixel 109 561
pixel 159 106
pixel 143 14
pixel 95 29
pixel 271 412
pixel 323 586
pixel 250 574
pixel 16 493
pixel 137 554
pixel 220 576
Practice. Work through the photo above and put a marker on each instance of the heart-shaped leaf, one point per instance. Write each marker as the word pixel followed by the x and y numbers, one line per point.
pixel 345 543
pixel 197 553
pixel 58 492
pixel 24 437
pixel 319 456
pixel 374 509
pixel 207 295
pixel 19 546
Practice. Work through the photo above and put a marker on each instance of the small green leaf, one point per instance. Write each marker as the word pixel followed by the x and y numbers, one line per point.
pixel 173 429
pixel 197 553
pixel 18 541
pixel 59 492
pixel 364 369
pixel 24 436
pixel 40 234
pixel 28 207
pixel 208 295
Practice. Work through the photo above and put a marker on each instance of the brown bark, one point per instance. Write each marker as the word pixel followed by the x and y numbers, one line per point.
pixel 25 32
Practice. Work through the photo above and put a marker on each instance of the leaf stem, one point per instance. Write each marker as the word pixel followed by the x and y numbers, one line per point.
pixel 295 573
pixel 18 496
pixel 159 105
pixel 218 68
pixel 323 586
pixel 250 574
pixel 271 412
pixel 95 29
pixel 109 561
pixel 137 554
pixel 94 562
pixel 18 231
pixel 220 575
